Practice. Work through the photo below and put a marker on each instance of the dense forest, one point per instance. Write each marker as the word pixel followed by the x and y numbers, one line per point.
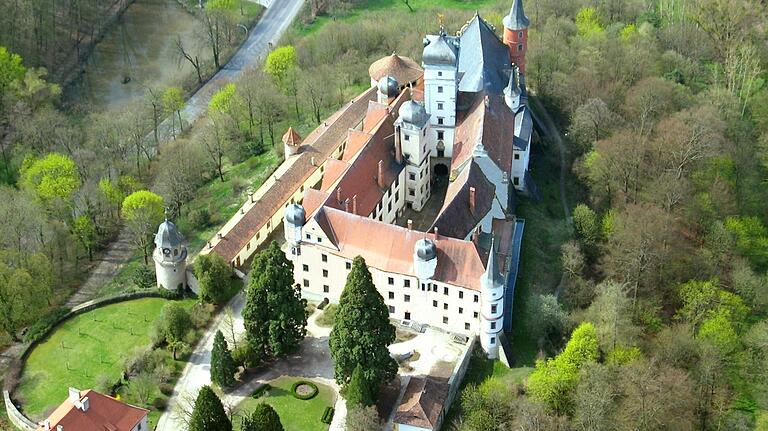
pixel 661 320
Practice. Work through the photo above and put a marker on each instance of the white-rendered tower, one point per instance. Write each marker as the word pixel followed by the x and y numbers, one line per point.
pixel 293 223
pixel 412 130
pixel 441 82
pixel 492 307
pixel 170 257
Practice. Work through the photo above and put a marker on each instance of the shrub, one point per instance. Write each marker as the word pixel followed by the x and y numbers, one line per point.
pixel 200 218
pixel 166 389
pixel 327 415
pixel 245 356
pixel 258 393
pixel 160 403
pixel 41 328
pixel 201 315
pixel 304 397
pixel 328 316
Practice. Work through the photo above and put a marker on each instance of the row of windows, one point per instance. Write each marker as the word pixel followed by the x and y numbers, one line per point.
pixel 407 316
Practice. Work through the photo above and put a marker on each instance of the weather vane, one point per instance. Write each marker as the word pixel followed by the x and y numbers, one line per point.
pixel 441 19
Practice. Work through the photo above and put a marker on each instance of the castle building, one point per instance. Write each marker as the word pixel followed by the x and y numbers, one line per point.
pixel 461 118
pixel 170 256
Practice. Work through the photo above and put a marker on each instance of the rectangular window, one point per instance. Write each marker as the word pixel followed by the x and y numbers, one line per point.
pixel 439 73
pixel 349 265
pixel 516 181
pixel 412 176
pixel 519 47
pixel 494 308
pixel 440 106
pixel 466 326
pixel 325 273
pixel 440 120
pixel 324 257
pixel 407 137
pixel 445 305
pixel 520 34
pixel 439 89
pixel 411 192
pixel 406 283
pixel 461 310
pixel 517 156
pixel 434 303
pixel 306 283
pixel 434 288
pixel 305 267
pixel 326 289
pixel 475 315
pixel 389 207
pixel 476 298
pixel 445 319
pixel 407 298
pixel 440 135
pixel 391 295
pixel 461 294
pixel 319 240
pixel 391 309
pixel 493 325
pixel 390 281
pixel 407 315
pixel 493 341
pixel 445 290
pixel 309 236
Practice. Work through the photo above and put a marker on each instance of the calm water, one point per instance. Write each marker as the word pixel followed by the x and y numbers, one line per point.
pixel 141 49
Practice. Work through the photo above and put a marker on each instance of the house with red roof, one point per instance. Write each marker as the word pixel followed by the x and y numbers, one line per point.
pixel 91 411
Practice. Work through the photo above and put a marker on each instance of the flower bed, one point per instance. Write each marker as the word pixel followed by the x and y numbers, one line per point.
pixel 304 390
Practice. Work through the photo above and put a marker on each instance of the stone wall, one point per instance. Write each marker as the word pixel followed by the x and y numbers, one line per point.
pixel 15 416
pixel 454 383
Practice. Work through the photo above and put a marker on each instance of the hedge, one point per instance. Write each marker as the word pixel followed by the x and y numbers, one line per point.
pixel 308 396
pixel 327 415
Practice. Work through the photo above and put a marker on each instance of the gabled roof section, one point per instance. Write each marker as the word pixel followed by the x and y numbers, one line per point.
pixel 334 169
pixel 103 413
pixel 389 247
pixel 484 59
pixel 356 140
pixel 422 404
pixel 489 122
pixel 456 219
pixel 313 200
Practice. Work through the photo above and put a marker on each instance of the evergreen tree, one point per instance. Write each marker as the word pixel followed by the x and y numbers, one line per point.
pixel 222 365
pixel 262 418
pixel 275 314
pixel 215 278
pixel 362 332
pixel 209 414
pixel 358 390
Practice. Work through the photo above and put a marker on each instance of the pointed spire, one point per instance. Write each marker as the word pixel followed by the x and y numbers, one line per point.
pixel 492 277
pixel 516 20
pixel 291 137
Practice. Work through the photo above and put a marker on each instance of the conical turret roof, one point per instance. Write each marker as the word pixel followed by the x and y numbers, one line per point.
pixel 516 20
pixel 168 235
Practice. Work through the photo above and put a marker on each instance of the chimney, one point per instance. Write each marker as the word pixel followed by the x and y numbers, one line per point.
pixel 242 211
pixel 410 224
pixel 354 204
pixel 398 147
pixel 59 427
pixel 436 233
pixel 338 194
pixel 250 195
pixel 472 201
pixel 346 205
pixel 487 101
pixel 86 404
pixel 220 236
pixel 74 395
pixel 47 425
pixel 209 245
pixel 312 160
pixel 380 176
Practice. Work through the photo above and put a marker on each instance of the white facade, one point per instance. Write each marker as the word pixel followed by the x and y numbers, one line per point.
pixel 170 256
pixel 441 85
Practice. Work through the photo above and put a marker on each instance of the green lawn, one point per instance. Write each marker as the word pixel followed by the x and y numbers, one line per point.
pixel 83 348
pixel 295 414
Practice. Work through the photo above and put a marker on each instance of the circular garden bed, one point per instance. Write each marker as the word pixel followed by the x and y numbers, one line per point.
pixel 304 390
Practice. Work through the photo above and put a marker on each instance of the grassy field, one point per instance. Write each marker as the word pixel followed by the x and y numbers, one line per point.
pixel 82 349
pixel 384 5
pixel 295 414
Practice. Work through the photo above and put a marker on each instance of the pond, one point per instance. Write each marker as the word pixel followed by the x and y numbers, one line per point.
pixel 137 52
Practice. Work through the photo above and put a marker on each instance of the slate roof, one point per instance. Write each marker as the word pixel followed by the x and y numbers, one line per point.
pixel 423 403
pixel 104 413
pixel 168 235
pixel 440 49
pixel 516 19
pixel 523 128
pixel 484 59
pixel 455 218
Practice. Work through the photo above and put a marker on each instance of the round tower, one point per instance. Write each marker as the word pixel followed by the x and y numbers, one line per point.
pixel 425 258
pixel 492 305
pixel 295 217
pixel 170 257
pixel 291 142
pixel 516 34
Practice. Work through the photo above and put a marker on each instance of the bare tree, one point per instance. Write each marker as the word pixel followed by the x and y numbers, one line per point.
pixel 193 60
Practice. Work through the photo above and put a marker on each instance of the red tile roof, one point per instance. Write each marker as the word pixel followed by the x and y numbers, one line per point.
pixel 320 144
pixel 493 125
pixel 390 248
pixel 291 137
pixel 455 217
pixel 104 414
pixel 423 403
